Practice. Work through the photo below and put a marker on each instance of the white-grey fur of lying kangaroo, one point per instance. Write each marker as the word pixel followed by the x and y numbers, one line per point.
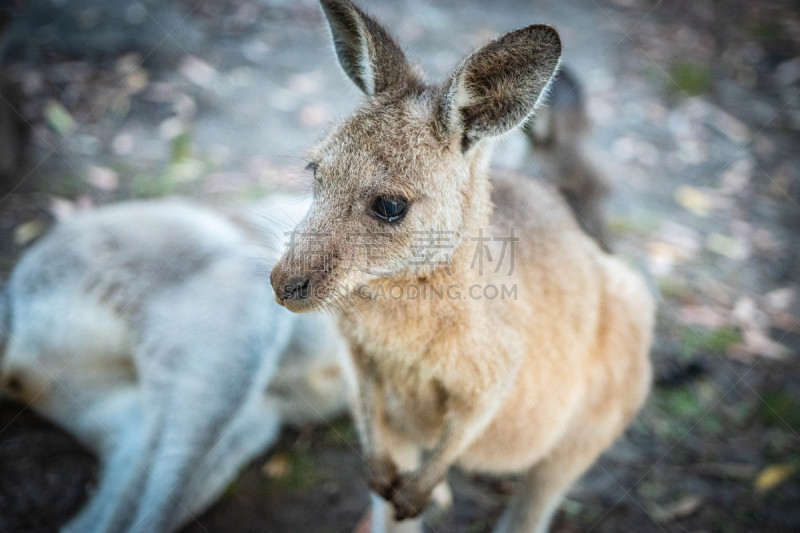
pixel 147 330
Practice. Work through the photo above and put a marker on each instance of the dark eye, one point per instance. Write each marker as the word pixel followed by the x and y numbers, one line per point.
pixel 389 209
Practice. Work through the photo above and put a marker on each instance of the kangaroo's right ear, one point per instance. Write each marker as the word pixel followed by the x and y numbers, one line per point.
pixel 367 53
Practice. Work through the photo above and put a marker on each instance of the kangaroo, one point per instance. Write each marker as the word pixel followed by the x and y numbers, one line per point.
pixel 556 135
pixel 539 382
pixel 146 329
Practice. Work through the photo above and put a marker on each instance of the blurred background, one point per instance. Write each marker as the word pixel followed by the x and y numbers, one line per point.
pixel 695 108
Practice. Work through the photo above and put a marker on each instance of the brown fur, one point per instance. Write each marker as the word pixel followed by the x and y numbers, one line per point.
pixel 540 384
pixel 556 135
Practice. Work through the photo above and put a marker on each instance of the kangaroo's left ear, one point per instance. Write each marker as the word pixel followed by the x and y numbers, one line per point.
pixel 499 85
pixel 367 53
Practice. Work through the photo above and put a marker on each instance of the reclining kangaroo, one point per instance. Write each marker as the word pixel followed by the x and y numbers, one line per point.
pixel 540 382
pixel 146 329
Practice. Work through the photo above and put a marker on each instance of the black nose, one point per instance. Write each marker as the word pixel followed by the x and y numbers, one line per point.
pixel 297 288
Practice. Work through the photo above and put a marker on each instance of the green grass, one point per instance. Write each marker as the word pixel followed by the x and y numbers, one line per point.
pixel 765 31
pixel 303 472
pixel 681 403
pixel 688 409
pixel 696 341
pixel 625 225
pixel 152 187
pixel 779 409
pixel 690 79
pixel 180 148
pixel 671 289
pixel 341 431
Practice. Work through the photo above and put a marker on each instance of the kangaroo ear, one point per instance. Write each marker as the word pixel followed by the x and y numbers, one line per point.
pixel 367 53
pixel 498 86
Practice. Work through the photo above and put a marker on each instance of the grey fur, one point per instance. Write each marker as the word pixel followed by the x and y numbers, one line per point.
pixel 556 133
pixel 147 330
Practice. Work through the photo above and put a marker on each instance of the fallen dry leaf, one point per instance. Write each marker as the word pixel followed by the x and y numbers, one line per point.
pixel 62 208
pixel 758 343
pixel 682 508
pixel 774 475
pixel 726 246
pixel 702 315
pixel 736 178
pixel 781 299
pixel 198 71
pixel 103 178
pixel 27 231
pixel 693 200
pixel 58 117
pixel 277 467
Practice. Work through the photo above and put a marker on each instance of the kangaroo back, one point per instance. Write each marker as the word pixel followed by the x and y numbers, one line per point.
pixel 147 331
pixel 556 133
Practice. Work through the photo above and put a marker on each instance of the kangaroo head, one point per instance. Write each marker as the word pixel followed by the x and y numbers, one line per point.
pixel 409 163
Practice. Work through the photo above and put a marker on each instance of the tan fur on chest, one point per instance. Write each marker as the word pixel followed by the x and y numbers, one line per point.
pixel 439 353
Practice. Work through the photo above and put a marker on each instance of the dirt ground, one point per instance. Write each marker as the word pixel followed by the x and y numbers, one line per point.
pixel 696 114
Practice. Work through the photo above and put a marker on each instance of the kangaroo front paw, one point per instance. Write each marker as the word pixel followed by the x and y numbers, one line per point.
pixel 382 477
pixel 411 499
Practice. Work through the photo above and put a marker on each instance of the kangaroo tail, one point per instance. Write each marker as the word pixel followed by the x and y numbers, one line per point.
pixel 555 134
